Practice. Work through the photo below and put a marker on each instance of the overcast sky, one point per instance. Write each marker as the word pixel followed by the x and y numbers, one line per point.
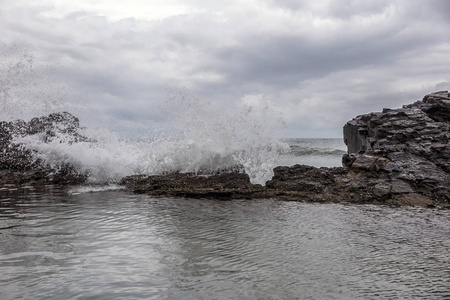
pixel 319 63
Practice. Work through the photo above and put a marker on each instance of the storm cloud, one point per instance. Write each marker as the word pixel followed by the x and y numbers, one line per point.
pixel 319 63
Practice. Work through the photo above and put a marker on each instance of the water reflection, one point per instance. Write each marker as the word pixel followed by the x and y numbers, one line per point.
pixel 115 245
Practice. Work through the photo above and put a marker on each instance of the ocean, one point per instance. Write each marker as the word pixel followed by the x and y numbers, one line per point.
pixel 98 241
pixel 313 152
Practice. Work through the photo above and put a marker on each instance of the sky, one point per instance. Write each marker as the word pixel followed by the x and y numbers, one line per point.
pixel 317 63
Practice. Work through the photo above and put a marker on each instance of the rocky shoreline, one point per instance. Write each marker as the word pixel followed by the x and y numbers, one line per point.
pixel 395 157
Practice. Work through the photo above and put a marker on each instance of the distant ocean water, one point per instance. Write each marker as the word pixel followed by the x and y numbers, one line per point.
pixel 314 152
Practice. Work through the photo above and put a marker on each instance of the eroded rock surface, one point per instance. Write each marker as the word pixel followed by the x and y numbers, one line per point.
pixel 220 186
pixel 408 146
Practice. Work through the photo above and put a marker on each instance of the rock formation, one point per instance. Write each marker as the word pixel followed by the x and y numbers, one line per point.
pixel 226 185
pixel 397 157
pixel 19 165
pixel 407 148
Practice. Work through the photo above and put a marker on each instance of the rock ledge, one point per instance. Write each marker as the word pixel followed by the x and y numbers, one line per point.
pixel 395 157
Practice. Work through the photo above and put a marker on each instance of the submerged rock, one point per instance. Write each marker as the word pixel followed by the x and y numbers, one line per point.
pixel 395 157
pixel 19 165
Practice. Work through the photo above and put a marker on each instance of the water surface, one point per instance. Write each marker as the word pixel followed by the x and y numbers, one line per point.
pixel 116 245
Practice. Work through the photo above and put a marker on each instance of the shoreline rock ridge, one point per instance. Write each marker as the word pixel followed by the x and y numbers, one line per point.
pixel 395 157
pixel 408 145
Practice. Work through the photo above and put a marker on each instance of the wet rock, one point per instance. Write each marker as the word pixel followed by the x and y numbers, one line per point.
pixel 19 165
pixel 395 157
pixel 300 178
pixel 412 143
pixel 410 199
pixel 219 186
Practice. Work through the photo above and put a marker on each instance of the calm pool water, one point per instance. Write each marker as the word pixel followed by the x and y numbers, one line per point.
pixel 57 244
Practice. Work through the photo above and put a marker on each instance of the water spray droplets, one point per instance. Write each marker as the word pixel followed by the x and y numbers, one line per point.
pixel 197 136
pixel 30 87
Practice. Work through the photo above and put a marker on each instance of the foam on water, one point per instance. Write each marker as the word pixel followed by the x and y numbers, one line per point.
pixel 198 136
pixel 95 188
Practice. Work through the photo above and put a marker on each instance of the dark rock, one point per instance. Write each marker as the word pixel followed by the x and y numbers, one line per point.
pixel 395 157
pixel 19 165
pixel 412 143
pixel 220 186
pixel 300 178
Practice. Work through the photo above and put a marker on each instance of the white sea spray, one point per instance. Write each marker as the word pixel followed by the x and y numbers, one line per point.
pixel 201 137
pixel 30 87
pixel 197 135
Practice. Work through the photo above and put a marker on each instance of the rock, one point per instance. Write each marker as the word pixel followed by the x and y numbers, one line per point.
pixel 19 165
pixel 395 157
pixel 220 186
pixel 410 199
pixel 412 143
pixel 300 178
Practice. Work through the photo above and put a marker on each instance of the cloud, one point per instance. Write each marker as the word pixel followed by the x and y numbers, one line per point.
pixel 319 62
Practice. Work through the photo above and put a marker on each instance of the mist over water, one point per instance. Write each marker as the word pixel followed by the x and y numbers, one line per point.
pixel 197 135
pixel 31 88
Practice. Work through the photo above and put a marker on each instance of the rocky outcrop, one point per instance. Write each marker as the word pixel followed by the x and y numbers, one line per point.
pixel 407 146
pixel 395 157
pixel 220 186
pixel 19 165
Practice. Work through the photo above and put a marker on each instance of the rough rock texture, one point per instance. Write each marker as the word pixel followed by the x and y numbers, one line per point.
pixel 220 186
pixel 408 146
pixel 395 157
pixel 18 165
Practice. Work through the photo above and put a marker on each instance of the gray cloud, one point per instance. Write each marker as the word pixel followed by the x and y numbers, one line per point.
pixel 320 62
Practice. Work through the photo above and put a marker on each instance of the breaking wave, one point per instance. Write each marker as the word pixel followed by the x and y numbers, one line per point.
pixel 209 140
pixel 197 136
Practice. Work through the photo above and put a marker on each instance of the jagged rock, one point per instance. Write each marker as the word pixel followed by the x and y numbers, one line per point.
pixel 412 142
pixel 19 165
pixel 395 157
